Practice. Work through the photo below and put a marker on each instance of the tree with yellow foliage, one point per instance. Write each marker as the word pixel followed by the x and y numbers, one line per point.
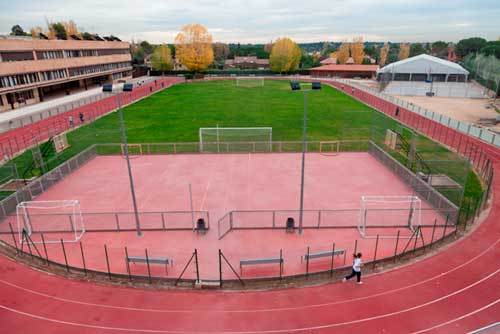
pixel 285 55
pixel 161 59
pixel 343 53
pixel 357 50
pixel 404 51
pixel 384 51
pixel 193 47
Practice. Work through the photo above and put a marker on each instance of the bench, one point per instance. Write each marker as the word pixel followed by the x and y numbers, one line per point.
pixel 317 255
pixel 250 262
pixel 153 260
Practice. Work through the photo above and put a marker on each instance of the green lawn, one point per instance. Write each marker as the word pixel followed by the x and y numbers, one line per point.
pixel 176 114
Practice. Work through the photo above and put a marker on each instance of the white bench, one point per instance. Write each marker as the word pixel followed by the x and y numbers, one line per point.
pixel 250 262
pixel 317 255
pixel 153 260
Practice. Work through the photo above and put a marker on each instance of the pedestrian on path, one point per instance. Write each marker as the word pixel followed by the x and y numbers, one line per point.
pixel 71 122
pixel 82 119
pixel 356 269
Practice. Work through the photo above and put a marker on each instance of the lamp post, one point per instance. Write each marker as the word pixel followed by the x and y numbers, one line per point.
pixel 127 87
pixel 295 86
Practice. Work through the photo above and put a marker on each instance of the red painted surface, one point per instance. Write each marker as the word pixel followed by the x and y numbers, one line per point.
pixel 223 183
pixel 455 291
pixel 19 139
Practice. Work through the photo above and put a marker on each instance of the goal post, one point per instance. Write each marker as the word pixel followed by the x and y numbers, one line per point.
pixel 57 220
pixel 388 213
pixel 133 149
pixel 249 82
pixel 330 148
pixel 233 139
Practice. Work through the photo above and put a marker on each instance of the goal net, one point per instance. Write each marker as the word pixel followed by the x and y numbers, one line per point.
pixel 249 82
pixel 219 140
pixel 330 148
pixel 55 219
pixel 384 215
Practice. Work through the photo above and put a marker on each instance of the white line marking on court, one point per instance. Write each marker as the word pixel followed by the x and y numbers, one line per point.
pixel 257 310
pixel 352 322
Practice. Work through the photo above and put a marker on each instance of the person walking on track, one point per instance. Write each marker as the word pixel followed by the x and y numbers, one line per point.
pixel 356 269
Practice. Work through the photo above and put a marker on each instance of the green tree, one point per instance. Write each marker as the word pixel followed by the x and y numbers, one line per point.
pixel 161 59
pixel 416 49
pixel 17 31
pixel 146 47
pixel 469 45
pixel 491 48
pixel 60 30
pixel 439 49
pixel 307 61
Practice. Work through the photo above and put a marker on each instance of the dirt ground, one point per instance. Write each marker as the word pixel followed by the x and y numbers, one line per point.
pixel 462 109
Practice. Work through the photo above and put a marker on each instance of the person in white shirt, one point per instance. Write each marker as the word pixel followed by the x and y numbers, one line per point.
pixel 356 269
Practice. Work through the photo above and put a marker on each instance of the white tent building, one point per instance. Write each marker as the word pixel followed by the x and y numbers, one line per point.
pixel 426 75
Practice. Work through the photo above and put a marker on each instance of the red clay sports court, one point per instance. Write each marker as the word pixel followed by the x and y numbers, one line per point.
pixel 258 190
pixel 454 291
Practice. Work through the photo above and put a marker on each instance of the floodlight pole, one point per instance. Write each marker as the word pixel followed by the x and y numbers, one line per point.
pixel 131 179
pixel 304 148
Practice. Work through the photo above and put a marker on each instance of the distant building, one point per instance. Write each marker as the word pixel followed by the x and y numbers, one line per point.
pixel 423 68
pixel 345 71
pixel 452 56
pixel 425 75
pixel 329 61
pixel 32 70
pixel 246 63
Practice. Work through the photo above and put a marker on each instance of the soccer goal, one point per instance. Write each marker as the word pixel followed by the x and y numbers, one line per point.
pixel 330 148
pixel 134 150
pixel 60 143
pixel 55 219
pixel 384 215
pixel 225 140
pixel 249 82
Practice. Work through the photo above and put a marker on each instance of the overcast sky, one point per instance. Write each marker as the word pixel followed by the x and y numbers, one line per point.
pixel 260 21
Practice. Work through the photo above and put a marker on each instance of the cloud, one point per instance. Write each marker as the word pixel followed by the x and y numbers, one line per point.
pixel 264 20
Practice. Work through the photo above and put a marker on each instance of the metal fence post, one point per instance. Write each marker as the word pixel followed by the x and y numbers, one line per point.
pixel 396 248
pixel 83 259
pixel 127 264
pixel 375 253
pixel 355 245
pixel 433 230
pixel 45 250
pixel 107 260
pixel 197 267
pixel 281 264
pixel 147 263
pixel 13 238
pixel 307 263
pixel 220 268
pixel 331 264
pixel 65 257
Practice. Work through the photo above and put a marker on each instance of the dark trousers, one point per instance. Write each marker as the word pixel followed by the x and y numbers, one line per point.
pixel 354 273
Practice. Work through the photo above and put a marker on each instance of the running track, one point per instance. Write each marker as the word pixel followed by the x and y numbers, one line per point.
pixel 455 291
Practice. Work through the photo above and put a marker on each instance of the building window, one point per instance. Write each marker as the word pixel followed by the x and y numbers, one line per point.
pixel 107 52
pixel 49 55
pixel 72 53
pixel 120 75
pixel 73 72
pixel 53 75
pixel 16 56
pixel 16 80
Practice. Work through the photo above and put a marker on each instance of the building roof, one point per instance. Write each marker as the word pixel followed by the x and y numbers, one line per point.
pixel 347 68
pixel 424 64
pixel 328 61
